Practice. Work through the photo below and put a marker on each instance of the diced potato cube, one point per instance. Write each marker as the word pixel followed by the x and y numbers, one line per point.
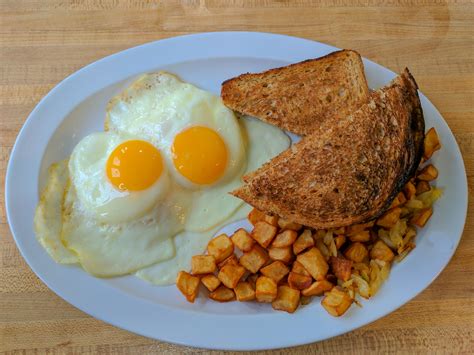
pixel 244 291
pixel 286 224
pixel 203 264
pixel 356 252
pixel 410 190
pixel 211 282
pixel 341 267
pixel 266 289
pixel 252 280
pixel 317 288
pixel 336 302
pixel 273 220
pixel 255 216
pixel 263 233
pixel 431 143
pixel 222 294
pixel 428 173
pixel 283 254
pixel 399 200
pixel 422 186
pixel 242 240
pixel 188 285
pixel 362 236
pixel 304 241
pixel 298 281
pixel 220 247
pixel 258 216
pixel 313 261
pixel 230 275
pixel 381 251
pixel 356 228
pixel 299 268
pixel 230 260
pixel 287 299
pixel 390 218
pixel 254 259
pixel 422 217
pixel 340 230
pixel 339 241
pixel 285 238
pixel 276 271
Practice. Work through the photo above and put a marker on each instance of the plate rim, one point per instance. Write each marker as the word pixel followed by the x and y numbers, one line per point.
pixel 273 343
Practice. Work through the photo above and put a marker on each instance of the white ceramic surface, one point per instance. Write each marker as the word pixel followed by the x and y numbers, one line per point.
pixel 76 107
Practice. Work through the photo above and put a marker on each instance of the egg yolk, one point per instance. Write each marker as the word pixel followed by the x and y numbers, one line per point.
pixel 134 165
pixel 199 154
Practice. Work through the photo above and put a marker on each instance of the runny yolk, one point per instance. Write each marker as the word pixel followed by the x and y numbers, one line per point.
pixel 134 165
pixel 199 154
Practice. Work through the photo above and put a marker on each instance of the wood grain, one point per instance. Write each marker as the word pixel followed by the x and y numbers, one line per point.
pixel 41 42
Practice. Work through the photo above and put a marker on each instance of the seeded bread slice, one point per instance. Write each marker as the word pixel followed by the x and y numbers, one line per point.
pixel 346 173
pixel 301 96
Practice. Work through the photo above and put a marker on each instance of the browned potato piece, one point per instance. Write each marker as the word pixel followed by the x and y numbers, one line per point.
pixel 399 200
pixel 287 299
pixel 298 281
pixel 266 289
pixel 203 264
pixel 244 291
pixel 222 294
pixel 263 233
pixel 317 288
pixel 410 190
pixel 362 236
pixel 188 285
pixel 211 282
pixel 283 254
pixel 390 218
pixel 276 271
pixel 339 241
pixel 286 224
pixel 273 220
pixel 220 247
pixel 252 280
pixel 230 260
pixel 341 267
pixel 255 216
pixel 422 217
pixel 299 268
pixel 254 259
pixel 304 241
pixel 242 240
pixel 356 228
pixel 336 302
pixel 381 251
pixel 314 262
pixel 428 173
pixel 230 275
pixel 356 252
pixel 285 238
pixel 422 186
pixel 431 143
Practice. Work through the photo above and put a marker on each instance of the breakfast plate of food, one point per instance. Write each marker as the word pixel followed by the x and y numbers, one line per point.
pixel 236 190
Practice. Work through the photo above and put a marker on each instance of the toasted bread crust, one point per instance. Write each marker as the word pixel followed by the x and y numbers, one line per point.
pixel 346 173
pixel 301 96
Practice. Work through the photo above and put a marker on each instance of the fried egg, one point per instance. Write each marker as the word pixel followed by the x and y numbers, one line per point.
pixel 149 191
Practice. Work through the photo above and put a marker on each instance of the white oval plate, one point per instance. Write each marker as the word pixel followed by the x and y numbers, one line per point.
pixel 76 107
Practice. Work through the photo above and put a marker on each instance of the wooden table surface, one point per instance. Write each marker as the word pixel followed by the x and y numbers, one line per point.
pixel 41 42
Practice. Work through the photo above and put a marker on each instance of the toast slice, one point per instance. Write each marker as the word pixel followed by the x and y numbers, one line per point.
pixel 301 96
pixel 349 172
